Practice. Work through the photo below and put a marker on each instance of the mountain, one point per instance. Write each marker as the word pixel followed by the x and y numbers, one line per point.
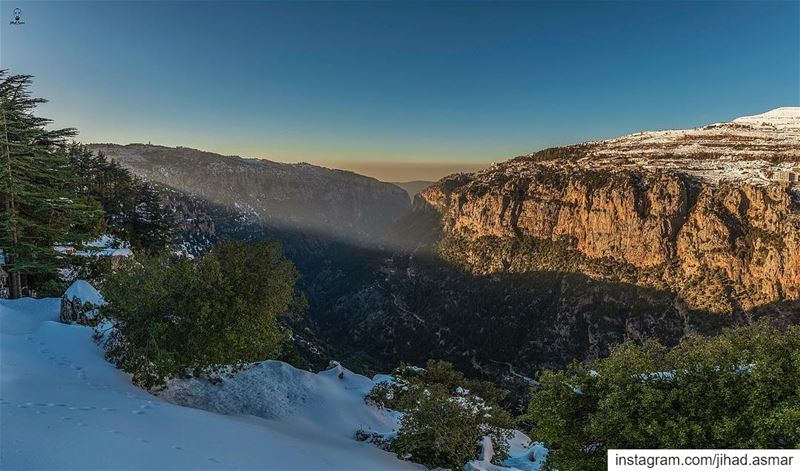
pixel 299 197
pixel 785 118
pixel 413 187
pixel 549 257
pixel 563 253
pixel 711 213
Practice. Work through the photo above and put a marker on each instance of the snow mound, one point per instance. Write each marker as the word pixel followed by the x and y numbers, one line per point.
pixel 84 292
pixel 523 455
pixel 787 117
pixel 275 390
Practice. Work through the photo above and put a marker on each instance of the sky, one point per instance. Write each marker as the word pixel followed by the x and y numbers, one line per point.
pixel 399 90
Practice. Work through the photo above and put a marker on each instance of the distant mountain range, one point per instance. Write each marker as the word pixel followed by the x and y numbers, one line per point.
pixel 413 187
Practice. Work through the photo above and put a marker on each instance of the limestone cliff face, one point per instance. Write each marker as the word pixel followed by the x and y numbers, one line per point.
pixel 722 246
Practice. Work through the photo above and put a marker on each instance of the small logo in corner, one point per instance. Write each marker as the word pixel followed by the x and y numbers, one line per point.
pixel 17 18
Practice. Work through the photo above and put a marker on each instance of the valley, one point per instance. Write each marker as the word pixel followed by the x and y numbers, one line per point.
pixel 562 253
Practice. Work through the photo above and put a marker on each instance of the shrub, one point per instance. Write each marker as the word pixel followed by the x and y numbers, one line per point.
pixel 736 390
pixel 178 316
pixel 445 415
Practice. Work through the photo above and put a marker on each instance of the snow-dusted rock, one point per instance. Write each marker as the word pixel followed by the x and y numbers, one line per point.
pixel 80 303
pixel 523 455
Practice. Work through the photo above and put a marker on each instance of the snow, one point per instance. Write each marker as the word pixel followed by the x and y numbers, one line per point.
pixel 759 150
pixel 787 117
pixel 59 394
pixel 106 245
pixel 276 390
pixel 85 293
pixel 62 406
pixel 524 455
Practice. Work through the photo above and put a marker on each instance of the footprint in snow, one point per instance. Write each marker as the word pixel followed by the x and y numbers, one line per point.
pixel 213 460
pixel 177 447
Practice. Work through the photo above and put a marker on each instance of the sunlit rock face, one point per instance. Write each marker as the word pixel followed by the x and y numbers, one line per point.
pixel 710 212
pixel 287 196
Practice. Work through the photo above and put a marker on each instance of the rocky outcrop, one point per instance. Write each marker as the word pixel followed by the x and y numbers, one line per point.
pixel 723 244
pixel 80 304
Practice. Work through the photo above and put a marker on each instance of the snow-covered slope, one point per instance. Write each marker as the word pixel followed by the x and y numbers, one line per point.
pixel 787 117
pixel 759 150
pixel 276 390
pixel 62 406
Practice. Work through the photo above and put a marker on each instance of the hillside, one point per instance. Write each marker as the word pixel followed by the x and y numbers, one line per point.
pixel 60 393
pixel 564 253
pixel 283 196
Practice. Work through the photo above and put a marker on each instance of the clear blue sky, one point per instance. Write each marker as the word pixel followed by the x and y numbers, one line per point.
pixel 406 81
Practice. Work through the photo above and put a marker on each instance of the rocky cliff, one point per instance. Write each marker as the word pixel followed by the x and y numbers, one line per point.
pixel 723 232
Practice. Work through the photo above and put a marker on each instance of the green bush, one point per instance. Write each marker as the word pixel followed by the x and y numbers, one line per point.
pixel 737 390
pixel 52 288
pixel 445 415
pixel 178 316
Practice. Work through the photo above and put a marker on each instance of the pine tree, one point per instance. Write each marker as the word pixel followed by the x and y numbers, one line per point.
pixel 153 225
pixel 40 205
pixel 133 209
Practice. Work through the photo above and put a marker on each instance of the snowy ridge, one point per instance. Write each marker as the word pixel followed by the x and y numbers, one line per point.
pixel 758 150
pixel 787 117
